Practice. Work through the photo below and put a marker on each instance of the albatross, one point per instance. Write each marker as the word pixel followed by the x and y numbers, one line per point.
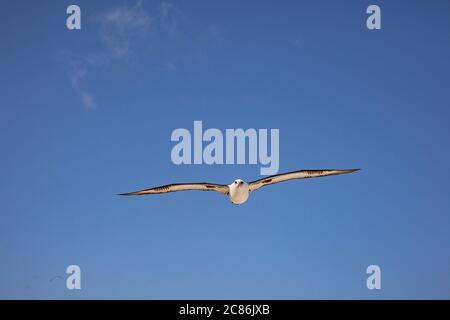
pixel 239 190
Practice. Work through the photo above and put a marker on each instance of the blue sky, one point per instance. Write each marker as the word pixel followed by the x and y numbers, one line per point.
pixel 87 114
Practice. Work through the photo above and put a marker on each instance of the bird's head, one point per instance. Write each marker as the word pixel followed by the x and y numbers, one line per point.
pixel 239 184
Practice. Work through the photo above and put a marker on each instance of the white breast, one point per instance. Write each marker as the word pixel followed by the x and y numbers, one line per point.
pixel 239 194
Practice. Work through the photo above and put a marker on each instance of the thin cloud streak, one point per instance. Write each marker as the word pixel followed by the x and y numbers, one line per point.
pixel 120 28
pixel 170 17
pixel 77 74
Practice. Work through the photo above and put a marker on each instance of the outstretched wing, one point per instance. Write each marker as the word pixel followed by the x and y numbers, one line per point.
pixel 203 186
pixel 301 174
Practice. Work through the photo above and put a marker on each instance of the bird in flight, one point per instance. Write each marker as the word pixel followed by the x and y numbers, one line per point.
pixel 238 191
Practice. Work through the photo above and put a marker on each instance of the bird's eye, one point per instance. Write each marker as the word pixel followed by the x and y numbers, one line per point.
pixel 242 182
pixel 235 182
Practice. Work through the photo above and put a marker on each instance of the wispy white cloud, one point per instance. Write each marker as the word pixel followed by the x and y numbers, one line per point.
pixel 120 28
pixel 77 74
pixel 170 17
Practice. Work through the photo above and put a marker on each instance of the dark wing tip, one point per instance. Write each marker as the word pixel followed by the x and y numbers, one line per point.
pixel 127 194
pixel 350 170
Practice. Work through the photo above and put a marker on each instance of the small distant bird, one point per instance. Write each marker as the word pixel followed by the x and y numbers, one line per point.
pixel 55 277
pixel 239 190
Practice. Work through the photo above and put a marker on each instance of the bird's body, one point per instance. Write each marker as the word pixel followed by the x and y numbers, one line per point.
pixel 238 191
